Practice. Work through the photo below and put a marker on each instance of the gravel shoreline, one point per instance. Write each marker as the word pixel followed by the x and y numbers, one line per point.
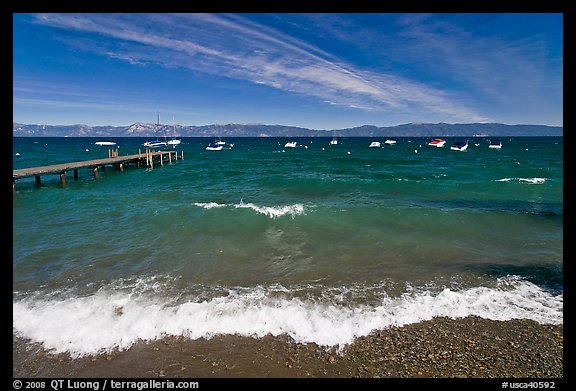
pixel 468 347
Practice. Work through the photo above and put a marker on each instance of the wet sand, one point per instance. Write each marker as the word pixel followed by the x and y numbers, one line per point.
pixel 469 347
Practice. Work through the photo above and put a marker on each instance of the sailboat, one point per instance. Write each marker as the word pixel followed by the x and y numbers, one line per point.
pixel 173 141
pixel 155 143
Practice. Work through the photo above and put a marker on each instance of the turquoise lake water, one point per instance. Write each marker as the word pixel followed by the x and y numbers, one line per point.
pixel 321 242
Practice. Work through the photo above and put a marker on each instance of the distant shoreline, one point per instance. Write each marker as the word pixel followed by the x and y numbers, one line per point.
pixel 260 130
pixel 285 137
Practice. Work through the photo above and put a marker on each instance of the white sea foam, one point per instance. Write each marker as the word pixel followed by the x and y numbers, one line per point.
pixel 112 319
pixel 274 211
pixel 533 180
pixel 209 205
pixel 536 181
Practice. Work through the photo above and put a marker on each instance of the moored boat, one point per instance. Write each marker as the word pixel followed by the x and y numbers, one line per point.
pixel 495 144
pixel 173 142
pixel 214 147
pixel 437 142
pixel 459 146
pixel 154 144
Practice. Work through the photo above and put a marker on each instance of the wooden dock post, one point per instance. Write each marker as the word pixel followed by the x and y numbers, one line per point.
pixel 96 172
pixel 63 179
pixel 37 180
pixel 170 157
pixel 76 173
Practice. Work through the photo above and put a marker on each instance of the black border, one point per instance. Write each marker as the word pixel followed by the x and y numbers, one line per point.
pixel 565 7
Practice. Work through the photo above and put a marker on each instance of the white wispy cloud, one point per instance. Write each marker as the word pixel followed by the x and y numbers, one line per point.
pixel 235 47
pixel 494 61
pixel 506 69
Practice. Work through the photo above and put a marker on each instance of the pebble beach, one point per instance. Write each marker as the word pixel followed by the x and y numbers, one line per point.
pixel 470 347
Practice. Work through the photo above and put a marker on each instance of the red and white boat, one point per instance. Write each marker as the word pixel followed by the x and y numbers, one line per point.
pixel 437 142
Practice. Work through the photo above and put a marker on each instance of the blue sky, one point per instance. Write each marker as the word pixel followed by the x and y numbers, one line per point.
pixel 320 71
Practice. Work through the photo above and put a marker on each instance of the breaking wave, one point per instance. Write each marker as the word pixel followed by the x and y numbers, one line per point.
pixel 113 318
pixel 273 212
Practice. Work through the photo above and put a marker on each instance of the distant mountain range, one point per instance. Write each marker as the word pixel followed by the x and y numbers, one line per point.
pixel 256 130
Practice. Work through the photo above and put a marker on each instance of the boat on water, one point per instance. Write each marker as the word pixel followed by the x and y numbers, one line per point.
pixel 173 142
pixel 390 142
pixel 214 146
pixel 104 143
pixel 334 141
pixel 155 143
pixel 374 144
pixel 437 142
pixel 290 144
pixel 495 144
pixel 459 146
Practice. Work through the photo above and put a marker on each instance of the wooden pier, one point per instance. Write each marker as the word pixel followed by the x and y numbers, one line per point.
pixel 146 159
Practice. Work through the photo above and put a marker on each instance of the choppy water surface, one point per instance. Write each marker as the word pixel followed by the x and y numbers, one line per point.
pixel 321 242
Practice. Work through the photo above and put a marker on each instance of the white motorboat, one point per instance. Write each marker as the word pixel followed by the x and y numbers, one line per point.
pixel 459 146
pixel 437 142
pixel 290 144
pixel 495 144
pixel 390 142
pixel 374 144
pixel 214 147
pixel 104 143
